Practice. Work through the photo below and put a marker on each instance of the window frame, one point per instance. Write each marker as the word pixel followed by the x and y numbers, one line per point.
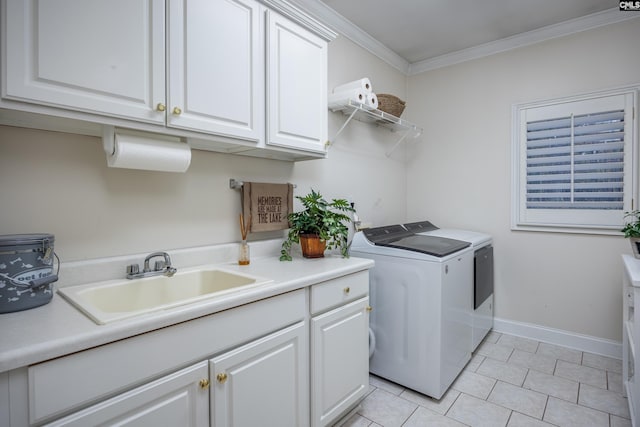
pixel 573 220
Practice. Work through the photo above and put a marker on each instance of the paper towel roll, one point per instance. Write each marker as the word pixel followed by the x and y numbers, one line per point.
pixel 339 99
pixel 363 84
pixel 372 100
pixel 135 152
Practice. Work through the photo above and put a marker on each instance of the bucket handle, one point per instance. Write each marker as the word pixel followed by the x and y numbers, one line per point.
pixel 37 282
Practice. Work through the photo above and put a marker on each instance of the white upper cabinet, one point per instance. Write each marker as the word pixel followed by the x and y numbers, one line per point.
pixel 92 56
pixel 297 86
pixel 215 66
pixel 233 75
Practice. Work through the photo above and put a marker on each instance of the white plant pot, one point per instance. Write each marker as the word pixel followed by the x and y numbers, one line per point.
pixel 635 246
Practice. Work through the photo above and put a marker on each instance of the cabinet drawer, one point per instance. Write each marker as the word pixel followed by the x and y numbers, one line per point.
pixel 339 291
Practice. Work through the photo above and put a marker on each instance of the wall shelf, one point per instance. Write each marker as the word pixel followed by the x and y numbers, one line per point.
pixel 362 113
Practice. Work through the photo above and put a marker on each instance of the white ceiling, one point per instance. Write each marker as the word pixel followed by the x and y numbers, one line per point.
pixel 414 33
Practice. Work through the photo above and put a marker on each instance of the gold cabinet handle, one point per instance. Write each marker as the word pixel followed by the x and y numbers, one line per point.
pixel 222 378
pixel 161 106
pixel 369 309
pixel 347 290
pixel 177 111
pixel 204 383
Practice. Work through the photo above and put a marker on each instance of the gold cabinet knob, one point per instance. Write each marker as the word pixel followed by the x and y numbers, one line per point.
pixel 177 111
pixel 369 309
pixel 347 290
pixel 161 107
pixel 204 383
pixel 222 378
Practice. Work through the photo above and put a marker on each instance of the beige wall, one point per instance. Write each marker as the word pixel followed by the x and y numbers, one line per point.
pixel 463 166
pixel 59 183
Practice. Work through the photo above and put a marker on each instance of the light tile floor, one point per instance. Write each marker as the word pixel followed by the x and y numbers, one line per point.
pixel 510 381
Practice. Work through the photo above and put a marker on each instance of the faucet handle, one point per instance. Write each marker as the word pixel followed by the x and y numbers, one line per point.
pixel 160 265
pixel 133 269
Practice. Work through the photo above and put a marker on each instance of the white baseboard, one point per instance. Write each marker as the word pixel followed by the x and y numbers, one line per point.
pixel 573 340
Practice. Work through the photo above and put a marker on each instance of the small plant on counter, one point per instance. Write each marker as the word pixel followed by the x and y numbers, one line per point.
pixel 322 222
pixel 631 227
pixel 631 230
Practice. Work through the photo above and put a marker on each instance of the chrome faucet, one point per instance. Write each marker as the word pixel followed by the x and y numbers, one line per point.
pixel 160 268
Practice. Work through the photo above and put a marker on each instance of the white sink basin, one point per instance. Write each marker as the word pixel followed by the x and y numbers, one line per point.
pixel 112 300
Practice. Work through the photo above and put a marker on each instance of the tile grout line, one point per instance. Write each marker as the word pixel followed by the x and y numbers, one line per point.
pixel 451 406
pixel 410 415
pixel 544 412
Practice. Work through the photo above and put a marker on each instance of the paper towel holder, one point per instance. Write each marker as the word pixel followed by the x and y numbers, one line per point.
pixel 109 138
pixel 175 154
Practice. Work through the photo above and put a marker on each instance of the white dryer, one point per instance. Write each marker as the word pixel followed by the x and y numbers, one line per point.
pixel 420 291
pixel 483 275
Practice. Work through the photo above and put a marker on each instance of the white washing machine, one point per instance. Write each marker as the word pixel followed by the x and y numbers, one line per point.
pixel 420 291
pixel 483 276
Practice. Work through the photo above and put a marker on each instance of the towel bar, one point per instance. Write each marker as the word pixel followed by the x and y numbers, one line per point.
pixel 235 184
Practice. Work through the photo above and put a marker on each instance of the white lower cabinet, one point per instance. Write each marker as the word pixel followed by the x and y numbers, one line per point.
pixel 339 348
pixel 179 399
pixel 631 336
pixel 263 383
pixel 98 377
pixel 340 372
pixel 296 359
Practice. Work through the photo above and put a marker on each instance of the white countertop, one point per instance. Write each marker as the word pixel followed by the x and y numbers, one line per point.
pixel 632 265
pixel 58 328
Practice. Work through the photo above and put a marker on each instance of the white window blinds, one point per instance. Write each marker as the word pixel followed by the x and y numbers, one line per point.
pixel 576 162
pixel 573 162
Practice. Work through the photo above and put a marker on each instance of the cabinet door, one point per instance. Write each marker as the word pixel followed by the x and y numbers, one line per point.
pixel 216 67
pixel 175 400
pixel 263 383
pixel 339 361
pixel 297 86
pixel 88 55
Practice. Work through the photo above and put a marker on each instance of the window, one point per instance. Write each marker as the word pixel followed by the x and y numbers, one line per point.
pixel 574 163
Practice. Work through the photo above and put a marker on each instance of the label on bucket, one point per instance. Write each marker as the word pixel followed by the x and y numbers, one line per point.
pixel 29 275
pixel 16 293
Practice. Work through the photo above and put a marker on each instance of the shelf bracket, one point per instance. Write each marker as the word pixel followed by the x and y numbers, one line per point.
pixel 388 153
pixel 344 125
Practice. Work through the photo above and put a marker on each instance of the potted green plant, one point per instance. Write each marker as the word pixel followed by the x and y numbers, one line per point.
pixel 320 226
pixel 631 230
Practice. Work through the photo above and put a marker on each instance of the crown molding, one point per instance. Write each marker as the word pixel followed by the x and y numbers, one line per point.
pixel 346 28
pixel 290 10
pixel 566 28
